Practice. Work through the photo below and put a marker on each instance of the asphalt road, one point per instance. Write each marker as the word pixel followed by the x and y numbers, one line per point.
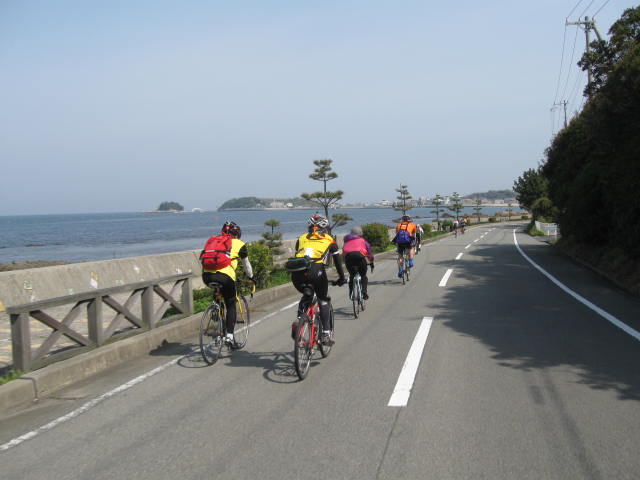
pixel 517 380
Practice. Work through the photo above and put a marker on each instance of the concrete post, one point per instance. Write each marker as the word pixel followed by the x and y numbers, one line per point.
pixel 187 295
pixel 96 328
pixel 21 341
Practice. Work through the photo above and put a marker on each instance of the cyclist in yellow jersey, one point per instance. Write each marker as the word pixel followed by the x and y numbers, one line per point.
pixel 227 276
pixel 317 245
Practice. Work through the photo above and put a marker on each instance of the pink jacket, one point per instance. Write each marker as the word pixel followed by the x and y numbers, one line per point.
pixel 354 243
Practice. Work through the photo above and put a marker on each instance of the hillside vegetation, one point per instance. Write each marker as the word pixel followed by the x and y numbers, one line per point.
pixel 255 202
pixel 590 180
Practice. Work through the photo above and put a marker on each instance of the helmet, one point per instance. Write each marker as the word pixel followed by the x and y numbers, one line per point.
pixel 406 218
pixel 230 228
pixel 356 231
pixel 318 221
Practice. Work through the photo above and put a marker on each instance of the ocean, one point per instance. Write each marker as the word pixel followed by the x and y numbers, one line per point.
pixel 102 236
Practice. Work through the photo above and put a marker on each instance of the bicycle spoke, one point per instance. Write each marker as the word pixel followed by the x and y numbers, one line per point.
pixel 243 322
pixel 303 347
pixel 211 334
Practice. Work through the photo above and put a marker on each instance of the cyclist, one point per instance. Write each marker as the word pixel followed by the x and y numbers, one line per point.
pixel 456 227
pixel 405 239
pixel 317 245
pixel 463 223
pixel 357 253
pixel 226 276
pixel 419 234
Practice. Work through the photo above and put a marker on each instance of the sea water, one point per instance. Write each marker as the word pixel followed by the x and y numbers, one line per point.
pixel 101 236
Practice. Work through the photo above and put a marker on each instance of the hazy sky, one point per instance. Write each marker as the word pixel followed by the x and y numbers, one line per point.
pixel 111 106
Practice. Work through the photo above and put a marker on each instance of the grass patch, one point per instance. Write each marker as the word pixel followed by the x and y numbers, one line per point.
pixel 10 375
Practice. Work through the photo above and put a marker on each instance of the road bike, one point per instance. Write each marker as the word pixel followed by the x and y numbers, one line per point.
pixel 406 266
pixel 213 327
pixel 307 335
pixel 356 295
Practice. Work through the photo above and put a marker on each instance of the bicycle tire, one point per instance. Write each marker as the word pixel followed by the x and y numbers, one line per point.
pixel 302 347
pixel 211 334
pixel 326 349
pixel 355 296
pixel 406 269
pixel 243 322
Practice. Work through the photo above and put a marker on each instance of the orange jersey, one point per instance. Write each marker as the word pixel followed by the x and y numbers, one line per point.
pixel 408 226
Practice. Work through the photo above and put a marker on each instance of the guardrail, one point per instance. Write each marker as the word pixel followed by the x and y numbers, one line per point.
pixel 549 229
pixel 143 309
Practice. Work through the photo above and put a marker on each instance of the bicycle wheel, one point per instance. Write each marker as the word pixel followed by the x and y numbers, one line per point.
pixel 326 349
pixel 407 269
pixel 211 334
pixel 302 347
pixel 243 322
pixel 355 298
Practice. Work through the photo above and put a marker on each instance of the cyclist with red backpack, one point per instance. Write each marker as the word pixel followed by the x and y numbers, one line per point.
pixel 405 239
pixel 219 260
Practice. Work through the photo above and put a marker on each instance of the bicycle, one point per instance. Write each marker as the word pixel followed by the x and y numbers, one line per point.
pixel 213 328
pixel 356 295
pixel 406 266
pixel 307 335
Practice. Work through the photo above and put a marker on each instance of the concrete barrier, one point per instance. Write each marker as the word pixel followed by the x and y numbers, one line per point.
pixel 19 287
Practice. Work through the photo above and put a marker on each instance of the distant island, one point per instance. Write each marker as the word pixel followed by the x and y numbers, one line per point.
pixel 255 203
pixel 170 207
pixel 491 195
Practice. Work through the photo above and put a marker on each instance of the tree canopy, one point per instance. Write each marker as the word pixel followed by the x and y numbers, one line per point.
pixel 166 206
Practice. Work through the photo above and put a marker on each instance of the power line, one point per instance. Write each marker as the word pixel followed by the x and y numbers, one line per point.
pixel 575 40
pixel 585 10
pixel 598 11
pixel 574 8
pixel 564 41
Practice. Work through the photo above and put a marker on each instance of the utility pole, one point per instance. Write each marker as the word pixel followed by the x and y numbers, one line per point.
pixel 587 25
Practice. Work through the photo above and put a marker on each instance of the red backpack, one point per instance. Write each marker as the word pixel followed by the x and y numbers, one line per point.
pixel 217 253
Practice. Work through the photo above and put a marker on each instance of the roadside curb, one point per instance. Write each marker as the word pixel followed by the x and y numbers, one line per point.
pixel 33 386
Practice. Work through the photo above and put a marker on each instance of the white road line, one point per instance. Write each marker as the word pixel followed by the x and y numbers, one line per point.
pixel 476 240
pixel 89 405
pixel 459 256
pixel 402 391
pixel 467 246
pixel 607 316
pixel 445 279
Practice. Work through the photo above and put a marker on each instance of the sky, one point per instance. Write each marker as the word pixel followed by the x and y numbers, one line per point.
pixel 117 106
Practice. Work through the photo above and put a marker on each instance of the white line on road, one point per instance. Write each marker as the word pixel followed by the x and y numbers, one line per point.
pixel 467 246
pixel 445 279
pixel 476 240
pixel 607 316
pixel 402 391
pixel 89 405
pixel 459 256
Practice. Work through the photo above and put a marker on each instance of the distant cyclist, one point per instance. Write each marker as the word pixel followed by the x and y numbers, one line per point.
pixel 419 234
pixel 357 253
pixel 405 240
pixel 463 223
pixel 317 245
pixel 220 260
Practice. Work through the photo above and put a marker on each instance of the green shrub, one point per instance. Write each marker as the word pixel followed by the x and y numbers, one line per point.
pixel 377 235
pixel 447 225
pixel 427 229
pixel 525 217
pixel 493 219
pixel 262 263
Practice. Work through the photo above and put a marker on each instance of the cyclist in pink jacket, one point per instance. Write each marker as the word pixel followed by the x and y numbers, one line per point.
pixel 357 253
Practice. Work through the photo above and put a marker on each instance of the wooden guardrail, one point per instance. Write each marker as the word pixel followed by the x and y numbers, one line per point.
pixel 144 308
